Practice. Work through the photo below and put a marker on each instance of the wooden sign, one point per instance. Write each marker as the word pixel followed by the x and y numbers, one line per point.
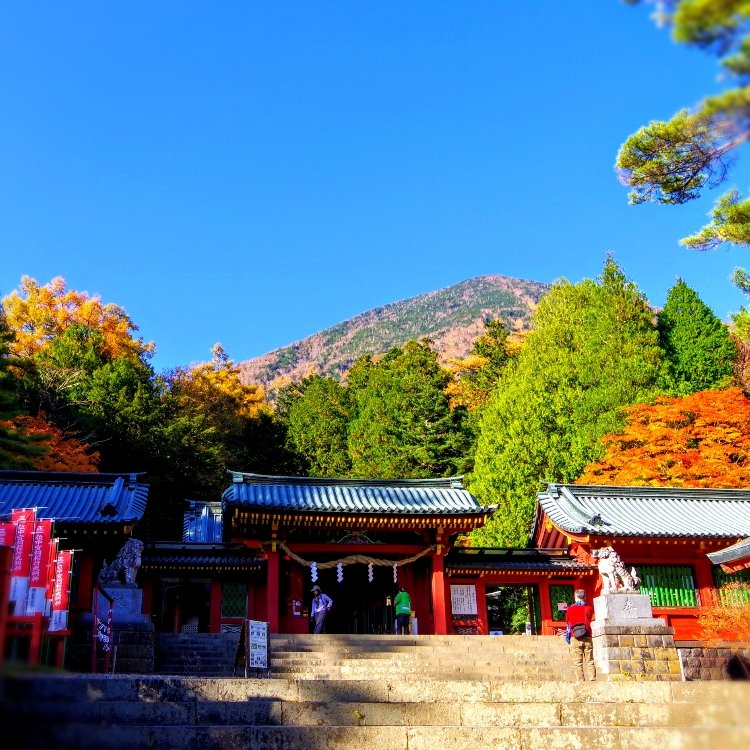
pixel 253 648
pixel 464 601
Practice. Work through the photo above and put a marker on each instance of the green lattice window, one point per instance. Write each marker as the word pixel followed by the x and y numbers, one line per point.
pixel 559 595
pixel 733 596
pixel 669 585
pixel 234 600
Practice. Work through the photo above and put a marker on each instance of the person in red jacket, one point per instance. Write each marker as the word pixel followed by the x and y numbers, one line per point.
pixel 578 618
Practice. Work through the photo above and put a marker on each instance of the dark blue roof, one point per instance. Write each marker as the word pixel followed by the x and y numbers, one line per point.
pixel 359 496
pixel 74 497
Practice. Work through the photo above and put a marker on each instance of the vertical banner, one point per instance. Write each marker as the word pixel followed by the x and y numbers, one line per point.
pixel 50 592
pixel 39 572
pixel 7 534
pixel 23 519
pixel 61 597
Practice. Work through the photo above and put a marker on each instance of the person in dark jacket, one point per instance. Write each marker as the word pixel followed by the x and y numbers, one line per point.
pixel 578 619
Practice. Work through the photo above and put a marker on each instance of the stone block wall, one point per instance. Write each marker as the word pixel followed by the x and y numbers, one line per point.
pixel 721 662
pixel 632 652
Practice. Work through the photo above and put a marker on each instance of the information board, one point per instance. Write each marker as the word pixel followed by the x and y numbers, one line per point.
pixel 257 644
pixel 464 601
pixel 252 649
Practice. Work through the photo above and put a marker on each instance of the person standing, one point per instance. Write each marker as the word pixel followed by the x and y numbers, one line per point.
pixel 578 619
pixel 402 605
pixel 321 605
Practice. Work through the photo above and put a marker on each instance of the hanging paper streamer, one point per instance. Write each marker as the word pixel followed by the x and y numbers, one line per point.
pixel 395 573
pixel 340 572
pixel 314 571
pixel 369 572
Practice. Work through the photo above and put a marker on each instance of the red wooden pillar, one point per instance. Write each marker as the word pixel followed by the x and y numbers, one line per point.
pixel 438 596
pixel 546 626
pixel 272 591
pixel 704 579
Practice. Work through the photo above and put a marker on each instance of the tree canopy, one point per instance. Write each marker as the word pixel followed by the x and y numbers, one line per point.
pixel 593 350
pixel 699 350
pixel 673 161
pixel 699 440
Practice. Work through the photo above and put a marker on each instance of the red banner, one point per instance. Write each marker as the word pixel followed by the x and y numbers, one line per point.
pixel 7 534
pixel 49 593
pixel 39 572
pixel 23 519
pixel 61 596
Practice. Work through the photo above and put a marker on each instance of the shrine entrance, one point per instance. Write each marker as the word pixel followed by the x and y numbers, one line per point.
pixel 359 605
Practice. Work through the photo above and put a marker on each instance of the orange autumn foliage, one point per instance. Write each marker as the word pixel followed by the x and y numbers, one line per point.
pixel 63 452
pixel 728 617
pixel 700 440
pixel 37 314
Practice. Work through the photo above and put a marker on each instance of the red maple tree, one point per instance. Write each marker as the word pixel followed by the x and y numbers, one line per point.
pixel 700 440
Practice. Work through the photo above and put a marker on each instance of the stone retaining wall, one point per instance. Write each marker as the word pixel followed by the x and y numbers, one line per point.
pixel 721 662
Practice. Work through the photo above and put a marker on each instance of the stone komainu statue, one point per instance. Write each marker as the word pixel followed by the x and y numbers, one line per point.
pixel 614 574
pixel 127 561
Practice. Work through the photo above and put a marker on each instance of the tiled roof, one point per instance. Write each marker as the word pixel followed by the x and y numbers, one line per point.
pixel 731 554
pixel 161 555
pixel 646 511
pixel 513 559
pixel 74 497
pixel 359 496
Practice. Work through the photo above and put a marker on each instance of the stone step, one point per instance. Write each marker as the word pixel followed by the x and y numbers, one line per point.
pixel 77 737
pixel 274 712
pixel 78 688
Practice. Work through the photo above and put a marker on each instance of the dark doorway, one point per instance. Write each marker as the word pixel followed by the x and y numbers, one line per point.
pixel 183 606
pixel 360 605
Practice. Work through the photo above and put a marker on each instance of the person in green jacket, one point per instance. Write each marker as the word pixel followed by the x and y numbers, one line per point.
pixel 402 603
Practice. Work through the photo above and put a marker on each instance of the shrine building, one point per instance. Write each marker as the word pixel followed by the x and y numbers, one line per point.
pixel 257 552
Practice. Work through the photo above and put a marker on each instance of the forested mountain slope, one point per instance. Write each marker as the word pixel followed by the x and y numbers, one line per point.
pixel 452 317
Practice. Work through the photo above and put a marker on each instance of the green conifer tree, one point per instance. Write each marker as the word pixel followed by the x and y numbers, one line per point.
pixel 699 351
pixel 593 350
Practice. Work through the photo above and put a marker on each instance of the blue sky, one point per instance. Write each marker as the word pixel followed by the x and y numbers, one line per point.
pixel 250 173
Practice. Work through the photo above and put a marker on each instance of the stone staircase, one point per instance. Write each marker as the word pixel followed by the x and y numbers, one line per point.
pixel 455 657
pixel 85 712
pixel 197 654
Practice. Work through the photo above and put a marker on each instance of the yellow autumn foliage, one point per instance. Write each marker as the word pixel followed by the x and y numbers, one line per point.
pixel 38 314
pixel 218 383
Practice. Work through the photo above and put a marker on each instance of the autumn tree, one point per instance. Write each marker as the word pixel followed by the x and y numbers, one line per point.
pixel 244 432
pixel 699 350
pixel 61 452
pixel 39 314
pixel 17 448
pixel 476 376
pixel 699 440
pixel 403 425
pixel 593 349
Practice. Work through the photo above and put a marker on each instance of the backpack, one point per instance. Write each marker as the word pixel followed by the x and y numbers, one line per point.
pixel 578 630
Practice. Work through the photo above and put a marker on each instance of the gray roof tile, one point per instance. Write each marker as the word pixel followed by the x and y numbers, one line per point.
pixel 647 511
pixel 74 497
pixel 305 494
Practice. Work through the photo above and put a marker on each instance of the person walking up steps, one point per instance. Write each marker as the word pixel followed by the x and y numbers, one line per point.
pixel 402 604
pixel 321 604
pixel 578 618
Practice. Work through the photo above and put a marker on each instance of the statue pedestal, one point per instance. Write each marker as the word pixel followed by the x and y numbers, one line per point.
pixel 127 605
pixel 625 608
pixel 132 635
pixel 629 642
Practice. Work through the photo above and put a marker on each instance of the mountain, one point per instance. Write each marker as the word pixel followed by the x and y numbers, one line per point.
pixel 452 318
